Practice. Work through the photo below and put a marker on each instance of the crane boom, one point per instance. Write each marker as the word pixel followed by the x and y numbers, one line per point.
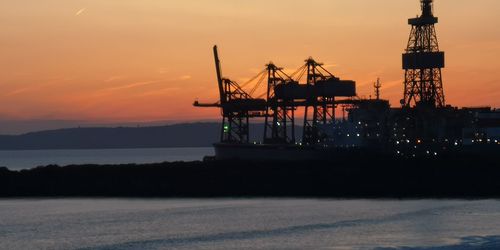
pixel 219 76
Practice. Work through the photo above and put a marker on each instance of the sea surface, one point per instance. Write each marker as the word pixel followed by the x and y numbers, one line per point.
pixel 248 224
pixel 25 159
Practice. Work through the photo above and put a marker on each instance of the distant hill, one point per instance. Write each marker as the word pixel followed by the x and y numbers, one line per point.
pixel 17 127
pixel 179 135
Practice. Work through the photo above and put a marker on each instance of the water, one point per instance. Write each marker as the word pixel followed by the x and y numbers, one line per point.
pixel 248 224
pixel 24 159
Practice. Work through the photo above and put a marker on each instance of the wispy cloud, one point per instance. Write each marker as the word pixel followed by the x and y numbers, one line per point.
pixel 114 78
pixel 169 90
pixel 142 83
pixel 18 91
pixel 331 65
pixel 132 85
pixel 162 71
pixel 185 77
pixel 35 87
pixel 79 12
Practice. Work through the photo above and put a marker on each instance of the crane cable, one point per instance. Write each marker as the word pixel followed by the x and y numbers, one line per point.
pixel 253 78
pixel 263 76
pixel 300 72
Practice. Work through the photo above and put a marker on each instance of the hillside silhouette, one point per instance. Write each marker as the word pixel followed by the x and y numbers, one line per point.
pixel 178 135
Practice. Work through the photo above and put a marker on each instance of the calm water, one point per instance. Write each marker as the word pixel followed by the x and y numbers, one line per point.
pixel 24 159
pixel 248 224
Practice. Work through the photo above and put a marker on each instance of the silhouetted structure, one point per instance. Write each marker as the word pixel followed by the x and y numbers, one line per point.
pixel 423 126
pixel 351 176
pixel 284 95
pixel 423 61
pixel 323 106
pixel 237 107
pixel 454 151
pixel 280 114
pixel 377 85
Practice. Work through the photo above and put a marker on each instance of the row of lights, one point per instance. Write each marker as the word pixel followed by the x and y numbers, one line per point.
pixel 418 141
pixel 414 155
pixel 487 140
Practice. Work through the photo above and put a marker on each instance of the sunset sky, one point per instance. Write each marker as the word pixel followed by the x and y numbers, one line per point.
pixel 144 60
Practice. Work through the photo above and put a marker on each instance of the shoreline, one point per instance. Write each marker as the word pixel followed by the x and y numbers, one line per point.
pixel 362 177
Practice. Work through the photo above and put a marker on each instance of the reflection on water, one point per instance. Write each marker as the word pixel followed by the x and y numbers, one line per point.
pixel 248 223
pixel 24 159
pixel 466 243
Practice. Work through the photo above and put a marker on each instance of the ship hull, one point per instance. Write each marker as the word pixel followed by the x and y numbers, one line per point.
pixel 272 152
pixel 263 152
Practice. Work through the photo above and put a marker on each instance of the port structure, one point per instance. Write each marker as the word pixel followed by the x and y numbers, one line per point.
pixel 377 85
pixel 423 61
pixel 280 114
pixel 283 96
pixel 237 107
pixel 319 108
pixel 424 113
pixel 424 126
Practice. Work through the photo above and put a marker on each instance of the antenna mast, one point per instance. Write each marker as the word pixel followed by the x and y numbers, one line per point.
pixel 377 85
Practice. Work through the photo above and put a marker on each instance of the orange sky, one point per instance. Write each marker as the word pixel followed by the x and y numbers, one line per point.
pixel 117 60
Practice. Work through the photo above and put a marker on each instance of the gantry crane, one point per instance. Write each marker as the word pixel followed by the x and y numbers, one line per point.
pixel 280 116
pixel 322 104
pixel 284 95
pixel 237 107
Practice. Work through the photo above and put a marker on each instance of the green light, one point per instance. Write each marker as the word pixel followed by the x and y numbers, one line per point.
pixel 226 128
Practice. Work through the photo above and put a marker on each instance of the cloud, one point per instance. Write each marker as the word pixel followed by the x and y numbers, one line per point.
pixel 35 87
pixel 132 85
pixel 79 12
pixel 164 91
pixel 331 65
pixel 185 77
pixel 143 83
pixel 114 78
pixel 162 71
pixel 18 91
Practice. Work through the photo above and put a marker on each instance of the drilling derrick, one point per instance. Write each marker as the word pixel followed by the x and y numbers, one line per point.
pixel 423 61
pixel 280 115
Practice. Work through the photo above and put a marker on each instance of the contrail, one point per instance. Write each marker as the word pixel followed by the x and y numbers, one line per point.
pixel 80 11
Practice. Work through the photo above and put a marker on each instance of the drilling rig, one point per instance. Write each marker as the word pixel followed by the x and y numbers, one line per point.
pixel 423 61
